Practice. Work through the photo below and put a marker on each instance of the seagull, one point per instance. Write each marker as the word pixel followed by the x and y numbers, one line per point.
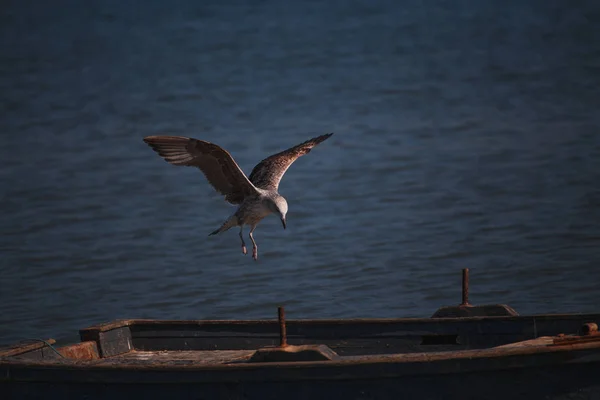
pixel 256 195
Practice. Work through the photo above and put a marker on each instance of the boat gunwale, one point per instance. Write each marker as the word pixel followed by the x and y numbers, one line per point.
pixel 121 323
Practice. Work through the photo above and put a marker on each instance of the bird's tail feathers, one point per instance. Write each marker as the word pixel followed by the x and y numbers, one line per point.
pixel 230 223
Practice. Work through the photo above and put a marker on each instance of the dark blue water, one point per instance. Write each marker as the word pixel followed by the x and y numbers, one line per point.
pixel 467 134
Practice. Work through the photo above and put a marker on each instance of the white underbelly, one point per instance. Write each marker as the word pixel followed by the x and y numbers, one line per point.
pixel 253 215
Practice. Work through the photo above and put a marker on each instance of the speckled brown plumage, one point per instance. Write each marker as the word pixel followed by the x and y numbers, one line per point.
pixel 268 173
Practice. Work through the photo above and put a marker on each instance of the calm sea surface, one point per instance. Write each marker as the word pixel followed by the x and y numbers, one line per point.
pixel 467 134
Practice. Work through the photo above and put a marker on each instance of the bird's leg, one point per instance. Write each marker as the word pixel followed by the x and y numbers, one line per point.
pixel 254 246
pixel 242 237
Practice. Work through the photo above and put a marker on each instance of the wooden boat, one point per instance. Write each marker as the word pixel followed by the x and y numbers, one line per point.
pixel 462 352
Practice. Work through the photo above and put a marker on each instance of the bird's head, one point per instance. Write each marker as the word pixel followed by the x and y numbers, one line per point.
pixel 279 206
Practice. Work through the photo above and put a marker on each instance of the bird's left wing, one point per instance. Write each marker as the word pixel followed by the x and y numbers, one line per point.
pixel 268 173
pixel 216 163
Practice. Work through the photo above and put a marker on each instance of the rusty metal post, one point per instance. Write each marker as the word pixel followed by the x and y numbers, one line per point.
pixel 282 330
pixel 465 287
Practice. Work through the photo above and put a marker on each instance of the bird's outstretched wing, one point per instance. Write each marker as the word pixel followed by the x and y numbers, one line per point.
pixel 267 174
pixel 216 163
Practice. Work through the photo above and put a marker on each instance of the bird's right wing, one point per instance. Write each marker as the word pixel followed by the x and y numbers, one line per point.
pixel 218 166
pixel 268 173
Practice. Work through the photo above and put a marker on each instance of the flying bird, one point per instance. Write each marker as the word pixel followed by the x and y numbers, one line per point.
pixel 256 195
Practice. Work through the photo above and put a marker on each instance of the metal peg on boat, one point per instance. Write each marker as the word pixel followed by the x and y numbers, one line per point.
pixel 465 288
pixel 282 330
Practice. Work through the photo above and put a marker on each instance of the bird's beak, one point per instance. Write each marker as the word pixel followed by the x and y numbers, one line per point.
pixel 283 222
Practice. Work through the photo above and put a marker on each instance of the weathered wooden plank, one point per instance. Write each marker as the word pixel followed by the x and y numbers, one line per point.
pixel 80 351
pixel 180 357
pixel 462 311
pixel 108 326
pixel 25 346
pixel 294 353
pixel 365 367
pixel 566 340
pixel 342 329
pixel 541 341
pixel 530 326
pixel 345 347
